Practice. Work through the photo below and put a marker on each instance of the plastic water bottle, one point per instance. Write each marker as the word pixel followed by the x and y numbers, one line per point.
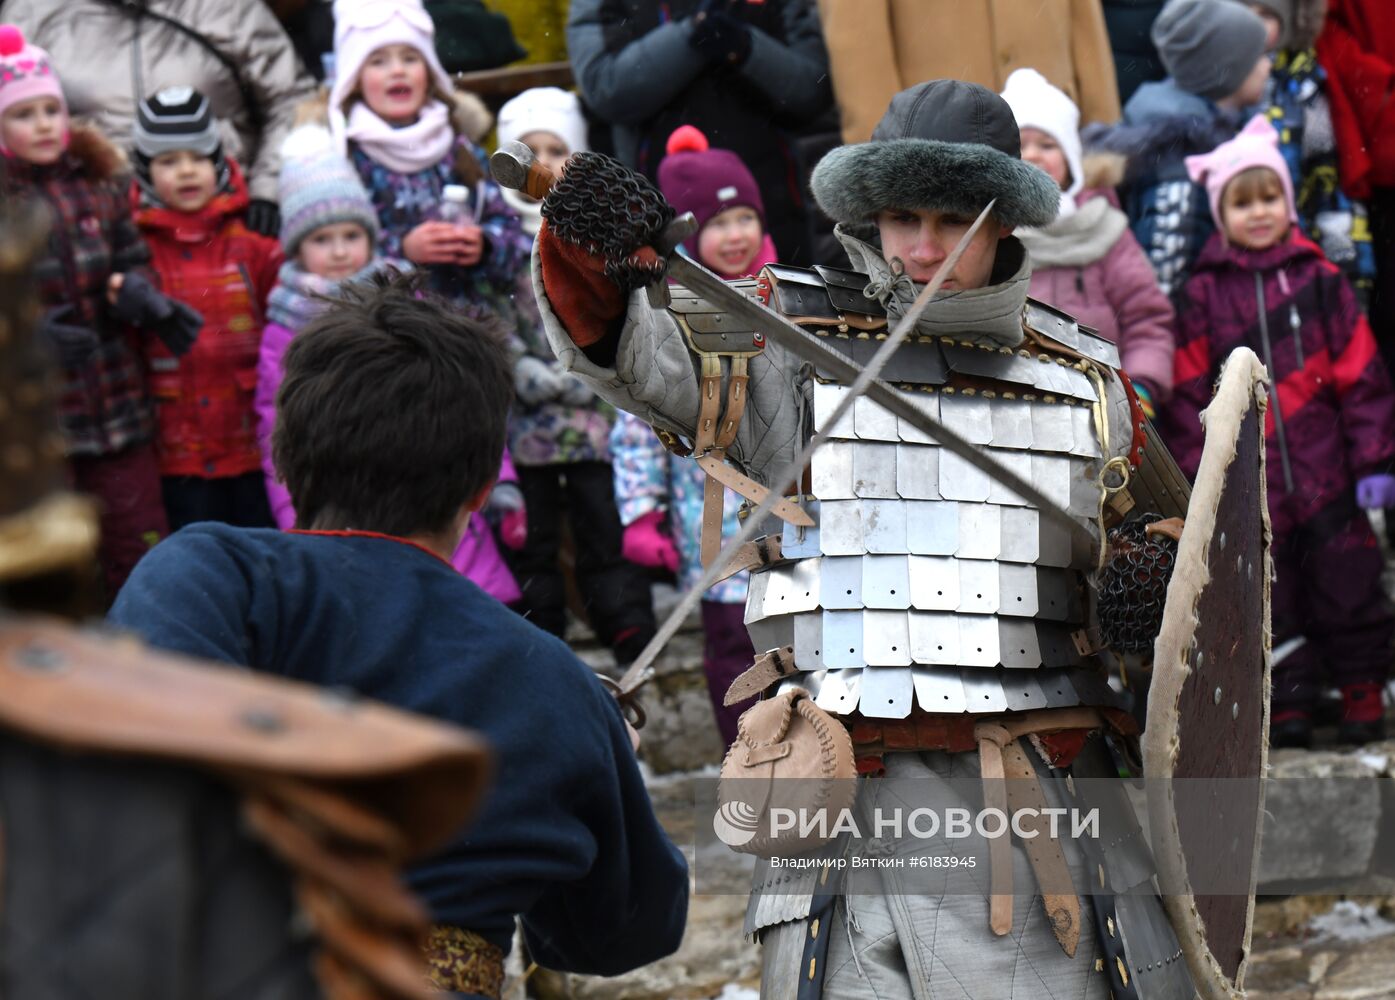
pixel 455 205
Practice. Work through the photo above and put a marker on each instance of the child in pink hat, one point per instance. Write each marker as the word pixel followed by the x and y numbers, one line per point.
pixel 1261 283
pixel 94 286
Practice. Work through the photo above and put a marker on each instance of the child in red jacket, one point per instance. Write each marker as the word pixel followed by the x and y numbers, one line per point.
pixel 190 202
pixel 1260 283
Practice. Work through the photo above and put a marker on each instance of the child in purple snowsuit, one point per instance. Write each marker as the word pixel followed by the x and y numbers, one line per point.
pixel 1260 283
pixel 327 231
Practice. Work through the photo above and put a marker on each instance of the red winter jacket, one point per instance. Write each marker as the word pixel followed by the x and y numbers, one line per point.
pixel 1331 387
pixel 209 259
pixel 1357 48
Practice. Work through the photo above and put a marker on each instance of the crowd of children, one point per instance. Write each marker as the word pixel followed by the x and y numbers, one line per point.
pixel 1182 233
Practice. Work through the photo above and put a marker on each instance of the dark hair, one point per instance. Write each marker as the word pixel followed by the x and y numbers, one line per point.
pixel 392 412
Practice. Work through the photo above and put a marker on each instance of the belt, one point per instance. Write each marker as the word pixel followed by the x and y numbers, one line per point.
pixel 1059 735
pixel 463 962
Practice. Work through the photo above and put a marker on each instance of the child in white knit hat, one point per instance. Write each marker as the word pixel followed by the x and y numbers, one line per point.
pixel 1087 262
pixel 549 121
pixel 390 112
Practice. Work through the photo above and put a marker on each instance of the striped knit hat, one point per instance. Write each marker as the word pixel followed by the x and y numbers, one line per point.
pixel 171 120
pixel 319 187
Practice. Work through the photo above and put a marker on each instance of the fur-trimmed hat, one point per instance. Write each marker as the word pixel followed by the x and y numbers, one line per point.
pixel 944 145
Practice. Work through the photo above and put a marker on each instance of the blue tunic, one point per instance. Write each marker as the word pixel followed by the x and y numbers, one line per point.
pixel 567 837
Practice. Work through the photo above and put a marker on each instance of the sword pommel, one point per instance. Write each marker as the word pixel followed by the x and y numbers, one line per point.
pixel 515 167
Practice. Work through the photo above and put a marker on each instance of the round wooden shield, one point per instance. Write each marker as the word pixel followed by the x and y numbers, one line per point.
pixel 1205 747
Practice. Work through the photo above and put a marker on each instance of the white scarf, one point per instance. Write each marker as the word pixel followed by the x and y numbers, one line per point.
pixel 414 147
pixel 1076 240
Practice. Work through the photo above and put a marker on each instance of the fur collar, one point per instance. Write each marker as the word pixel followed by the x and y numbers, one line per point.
pixel 89 154
pixel 990 315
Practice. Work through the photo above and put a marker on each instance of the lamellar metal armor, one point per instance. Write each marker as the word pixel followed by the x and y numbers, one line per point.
pixel 924 581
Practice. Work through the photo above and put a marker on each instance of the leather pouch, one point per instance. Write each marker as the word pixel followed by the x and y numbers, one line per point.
pixel 787 780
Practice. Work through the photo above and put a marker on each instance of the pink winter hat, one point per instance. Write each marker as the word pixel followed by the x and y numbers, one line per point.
pixel 696 178
pixel 25 71
pixel 1257 145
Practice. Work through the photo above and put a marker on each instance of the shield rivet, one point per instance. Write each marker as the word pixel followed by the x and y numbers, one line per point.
pixel 1200 657
pixel 1239 563
pixel 1235 710
pixel 1217 696
pixel 1222 539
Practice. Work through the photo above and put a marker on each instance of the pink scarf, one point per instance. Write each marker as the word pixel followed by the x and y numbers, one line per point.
pixel 414 147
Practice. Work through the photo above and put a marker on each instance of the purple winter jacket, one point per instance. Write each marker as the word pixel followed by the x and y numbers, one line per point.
pixel 1332 388
pixel 476 557
pixel 1114 291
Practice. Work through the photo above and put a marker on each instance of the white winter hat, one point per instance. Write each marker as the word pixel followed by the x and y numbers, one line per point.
pixel 1037 104
pixel 544 109
pixel 361 27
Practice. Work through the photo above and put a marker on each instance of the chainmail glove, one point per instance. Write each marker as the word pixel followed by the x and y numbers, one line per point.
pixel 1133 583
pixel 610 212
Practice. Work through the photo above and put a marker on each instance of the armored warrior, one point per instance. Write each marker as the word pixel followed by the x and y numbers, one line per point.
pixel 937 617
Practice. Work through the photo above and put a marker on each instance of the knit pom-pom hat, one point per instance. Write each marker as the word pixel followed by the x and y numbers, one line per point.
pixel 696 178
pixel 26 72
pixel 319 187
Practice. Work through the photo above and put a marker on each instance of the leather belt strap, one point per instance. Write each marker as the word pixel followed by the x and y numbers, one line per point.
pixel 769 667
pixel 1001 758
pixel 764 551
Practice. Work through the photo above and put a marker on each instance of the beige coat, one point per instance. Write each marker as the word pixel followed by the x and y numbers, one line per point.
pixel 106 65
pixel 879 47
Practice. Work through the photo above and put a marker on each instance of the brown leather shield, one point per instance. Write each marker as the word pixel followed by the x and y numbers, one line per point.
pixel 1205 747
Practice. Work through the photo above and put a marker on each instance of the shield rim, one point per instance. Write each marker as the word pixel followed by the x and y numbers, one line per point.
pixel 1243 380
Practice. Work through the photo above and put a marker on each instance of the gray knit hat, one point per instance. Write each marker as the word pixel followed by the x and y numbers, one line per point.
pixel 945 145
pixel 1209 46
pixel 319 187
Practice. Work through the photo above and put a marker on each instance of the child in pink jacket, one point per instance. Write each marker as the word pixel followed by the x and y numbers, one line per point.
pixel 1087 262
pixel 328 228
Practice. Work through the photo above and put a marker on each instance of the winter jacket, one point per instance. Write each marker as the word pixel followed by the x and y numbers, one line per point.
pixel 1136 59
pixel 751 109
pixel 1297 105
pixel 103 406
pixel 1089 265
pixel 476 557
pixel 110 55
pixel 877 48
pixel 404 201
pixel 1332 397
pixel 649 477
pixel 1170 216
pixel 1357 48
pixel 205 425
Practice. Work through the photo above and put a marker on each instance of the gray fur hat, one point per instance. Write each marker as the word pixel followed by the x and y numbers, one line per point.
pixel 945 145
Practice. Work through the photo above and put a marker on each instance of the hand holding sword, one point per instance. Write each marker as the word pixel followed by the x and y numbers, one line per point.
pixel 515 166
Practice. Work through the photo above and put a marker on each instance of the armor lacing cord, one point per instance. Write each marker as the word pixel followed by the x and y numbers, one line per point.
pixel 885 290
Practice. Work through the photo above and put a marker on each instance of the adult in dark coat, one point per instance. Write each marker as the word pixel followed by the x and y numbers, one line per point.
pixel 748 73
pixel 1136 59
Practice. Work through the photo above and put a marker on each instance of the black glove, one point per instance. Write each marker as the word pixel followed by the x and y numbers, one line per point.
pixel 139 304
pixel 722 39
pixel 611 212
pixel 74 344
pixel 264 217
